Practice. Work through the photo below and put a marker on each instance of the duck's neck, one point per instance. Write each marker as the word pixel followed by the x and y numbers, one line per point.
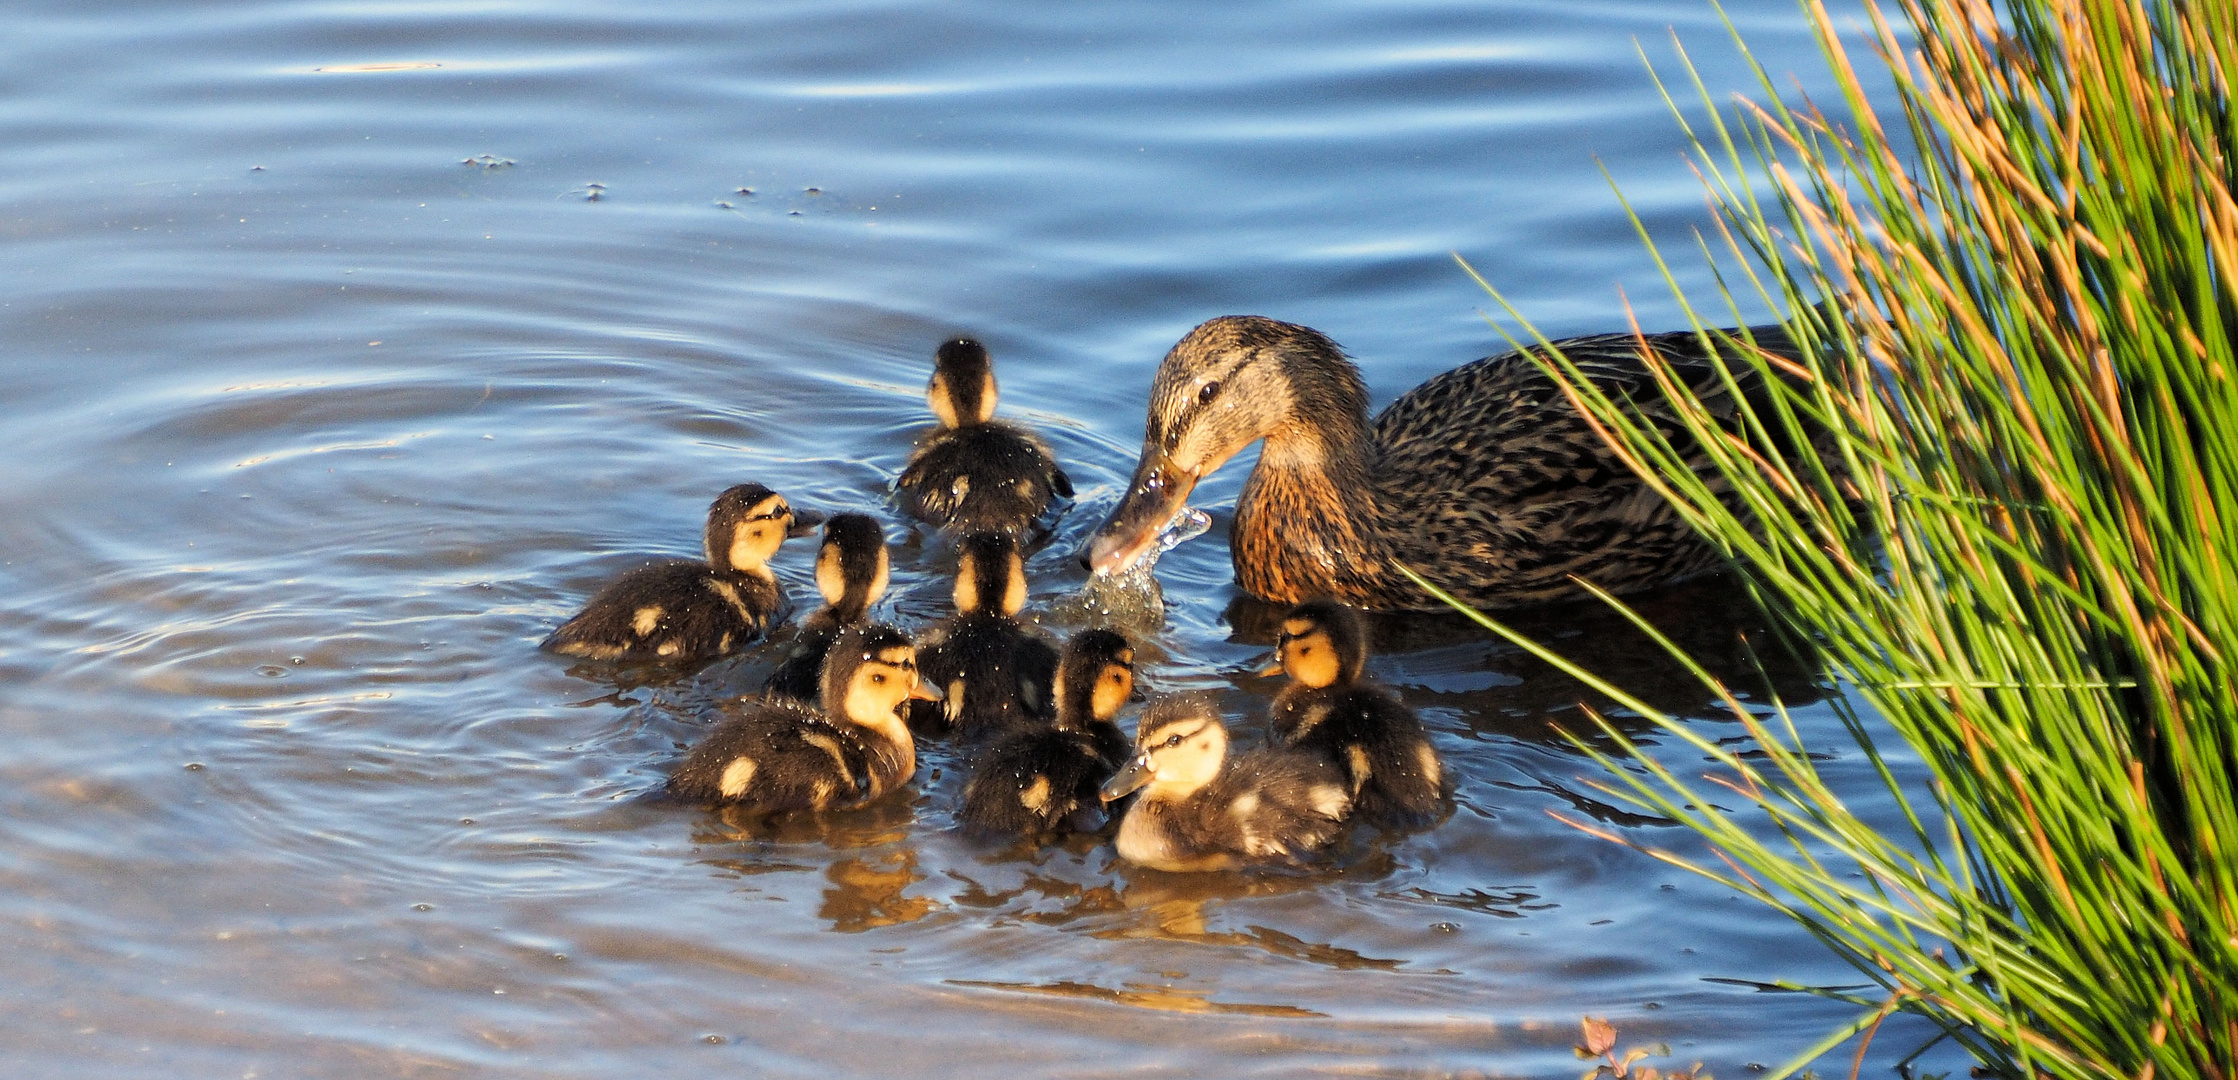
pixel 1309 522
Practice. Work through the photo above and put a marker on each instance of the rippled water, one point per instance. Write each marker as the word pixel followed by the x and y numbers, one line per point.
pixel 331 389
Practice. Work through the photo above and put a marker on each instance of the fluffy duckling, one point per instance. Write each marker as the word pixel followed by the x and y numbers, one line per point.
pixel 1201 810
pixel 779 754
pixel 1327 707
pixel 1033 781
pixel 995 672
pixel 851 572
pixel 1486 480
pixel 975 472
pixel 683 609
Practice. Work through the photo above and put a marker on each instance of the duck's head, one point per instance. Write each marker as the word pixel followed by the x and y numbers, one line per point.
pixel 869 672
pixel 744 527
pixel 962 390
pixel 1321 643
pixel 852 565
pixel 1180 746
pixel 1229 383
pixel 990 575
pixel 1095 675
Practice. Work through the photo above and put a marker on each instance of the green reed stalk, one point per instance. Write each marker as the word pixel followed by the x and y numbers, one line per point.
pixel 2011 528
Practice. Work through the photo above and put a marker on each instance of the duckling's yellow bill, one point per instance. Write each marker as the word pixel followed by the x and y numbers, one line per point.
pixel 1135 773
pixel 1158 494
pixel 925 691
pixel 1273 669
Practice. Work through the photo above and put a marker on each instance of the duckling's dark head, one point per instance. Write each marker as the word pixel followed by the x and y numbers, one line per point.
pixel 1322 643
pixel 962 390
pixel 869 672
pixel 745 524
pixel 1095 676
pixel 990 575
pixel 852 565
pixel 1229 383
pixel 1180 746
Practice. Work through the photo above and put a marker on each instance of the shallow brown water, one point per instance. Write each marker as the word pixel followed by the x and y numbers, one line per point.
pixel 330 391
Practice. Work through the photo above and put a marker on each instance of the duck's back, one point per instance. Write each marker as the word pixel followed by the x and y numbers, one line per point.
pixel 776 755
pixel 674 610
pixel 1502 491
pixel 998 676
pixel 990 476
pixel 1392 771
pixel 800 675
pixel 1037 781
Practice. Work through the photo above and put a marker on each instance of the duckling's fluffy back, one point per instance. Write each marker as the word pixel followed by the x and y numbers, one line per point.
pixel 672 610
pixel 777 755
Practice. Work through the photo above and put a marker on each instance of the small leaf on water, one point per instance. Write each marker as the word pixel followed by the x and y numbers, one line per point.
pixel 1600 1036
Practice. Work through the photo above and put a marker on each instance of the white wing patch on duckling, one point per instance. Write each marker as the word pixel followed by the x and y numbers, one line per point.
pixel 646 620
pixel 1329 801
pixel 1429 760
pixel 954 704
pixel 738 776
pixel 1036 795
pixel 960 488
pixel 669 648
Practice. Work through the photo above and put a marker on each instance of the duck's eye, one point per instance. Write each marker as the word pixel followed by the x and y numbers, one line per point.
pixel 1173 740
pixel 878 679
pixel 1209 391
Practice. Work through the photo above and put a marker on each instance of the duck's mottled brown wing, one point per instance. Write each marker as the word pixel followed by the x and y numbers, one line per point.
pixel 1498 490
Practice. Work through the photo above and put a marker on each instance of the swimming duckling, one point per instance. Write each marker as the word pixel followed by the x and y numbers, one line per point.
pixel 1485 480
pixel 1201 810
pixel 683 609
pixel 1033 781
pixel 778 754
pixel 851 571
pixel 1374 738
pixel 995 671
pixel 975 472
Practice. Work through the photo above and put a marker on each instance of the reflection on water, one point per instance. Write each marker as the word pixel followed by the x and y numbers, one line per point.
pixel 331 391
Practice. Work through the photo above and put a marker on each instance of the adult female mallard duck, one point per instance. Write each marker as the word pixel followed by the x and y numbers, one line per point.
pixel 1329 707
pixel 851 572
pixel 1202 810
pixel 974 472
pixel 1034 781
pixel 995 671
pixel 777 754
pixel 1485 480
pixel 684 609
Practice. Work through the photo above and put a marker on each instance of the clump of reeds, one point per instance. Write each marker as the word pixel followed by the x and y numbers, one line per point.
pixel 1999 503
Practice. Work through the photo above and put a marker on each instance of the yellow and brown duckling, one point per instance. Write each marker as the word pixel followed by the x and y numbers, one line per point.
pixel 1040 780
pixel 1200 809
pixel 684 609
pixel 852 568
pixel 777 754
pixel 995 671
pixel 1485 480
pixel 1328 707
pixel 975 472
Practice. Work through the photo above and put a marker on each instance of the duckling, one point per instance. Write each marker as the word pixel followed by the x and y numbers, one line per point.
pixel 1378 742
pixel 1485 480
pixel 683 609
pixel 1033 781
pixel 996 673
pixel 851 572
pixel 1201 810
pixel 778 754
pixel 974 472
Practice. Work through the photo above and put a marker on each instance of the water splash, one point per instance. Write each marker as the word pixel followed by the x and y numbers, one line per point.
pixel 1131 600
